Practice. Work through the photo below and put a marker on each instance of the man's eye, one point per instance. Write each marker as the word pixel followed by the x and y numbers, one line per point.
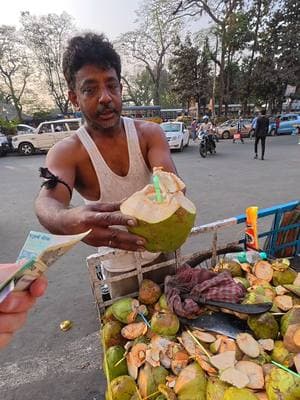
pixel 113 86
pixel 89 90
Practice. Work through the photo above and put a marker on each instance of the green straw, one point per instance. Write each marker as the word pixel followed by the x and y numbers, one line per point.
pixel 157 188
pixel 286 369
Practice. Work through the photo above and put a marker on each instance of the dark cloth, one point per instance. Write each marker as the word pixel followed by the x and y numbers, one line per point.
pixel 263 144
pixel 200 283
pixel 262 126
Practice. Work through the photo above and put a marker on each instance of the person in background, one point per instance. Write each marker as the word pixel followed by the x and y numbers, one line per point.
pixel 14 309
pixel 194 129
pixel 253 125
pixel 261 132
pixel 239 127
pixel 277 124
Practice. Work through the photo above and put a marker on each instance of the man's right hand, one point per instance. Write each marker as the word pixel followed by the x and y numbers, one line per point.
pixel 101 218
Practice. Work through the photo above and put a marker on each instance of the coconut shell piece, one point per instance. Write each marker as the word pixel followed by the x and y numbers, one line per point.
pixel 138 354
pixel 280 290
pixel 248 345
pixel 167 392
pixel 179 361
pixel 134 330
pixel 294 289
pixel 223 360
pixel 261 395
pixel 171 380
pixel 204 337
pixel 263 270
pixel 284 302
pixel 297 362
pixel 297 280
pixel 234 377
pixel 153 357
pixel 254 372
pixel 291 338
pixel 266 344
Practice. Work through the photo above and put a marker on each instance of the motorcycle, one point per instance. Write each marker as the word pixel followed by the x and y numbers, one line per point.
pixel 207 143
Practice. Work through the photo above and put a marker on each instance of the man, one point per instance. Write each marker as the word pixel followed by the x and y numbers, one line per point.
pixel 106 160
pixel 194 129
pixel 14 309
pixel 261 132
pixel 239 127
pixel 207 128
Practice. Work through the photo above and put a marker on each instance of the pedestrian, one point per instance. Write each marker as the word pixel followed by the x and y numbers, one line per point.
pixel 253 125
pixel 238 134
pixel 14 309
pixel 277 125
pixel 194 129
pixel 261 132
pixel 108 159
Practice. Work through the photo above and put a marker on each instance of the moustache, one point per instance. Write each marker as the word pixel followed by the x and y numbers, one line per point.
pixel 102 109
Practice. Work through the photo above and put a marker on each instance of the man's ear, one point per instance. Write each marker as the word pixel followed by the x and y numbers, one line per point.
pixel 73 99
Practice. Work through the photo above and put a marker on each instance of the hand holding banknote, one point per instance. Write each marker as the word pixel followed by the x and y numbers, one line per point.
pixel 14 309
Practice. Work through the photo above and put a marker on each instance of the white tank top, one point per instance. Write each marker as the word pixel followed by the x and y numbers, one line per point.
pixel 114 188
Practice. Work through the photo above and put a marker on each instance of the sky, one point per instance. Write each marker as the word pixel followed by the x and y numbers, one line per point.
pixel 111 17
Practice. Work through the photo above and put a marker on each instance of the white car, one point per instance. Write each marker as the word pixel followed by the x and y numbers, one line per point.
pixel 177 135
pixel 45 136
pixel 23 128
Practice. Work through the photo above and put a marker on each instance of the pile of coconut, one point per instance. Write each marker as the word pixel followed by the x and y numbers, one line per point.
pixel 148 354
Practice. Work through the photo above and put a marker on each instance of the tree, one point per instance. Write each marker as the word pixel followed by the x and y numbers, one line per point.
pixel 46 36
pixel 139 89
pixel 14 67
pixel 152 41
pixel 223 15
pixel 190 72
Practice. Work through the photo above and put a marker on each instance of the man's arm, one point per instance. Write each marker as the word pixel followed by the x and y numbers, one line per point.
pixel 158 151
pixel 53 209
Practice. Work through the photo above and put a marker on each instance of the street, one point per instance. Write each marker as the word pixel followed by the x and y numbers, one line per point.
pixel 44 363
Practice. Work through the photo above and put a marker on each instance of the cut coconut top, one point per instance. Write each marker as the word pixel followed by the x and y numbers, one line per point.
pixel 144 206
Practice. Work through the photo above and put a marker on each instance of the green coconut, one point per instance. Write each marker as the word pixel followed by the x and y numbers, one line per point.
pixel 165 323
pixel 264 326
pixel 282 385
pixel 233 267
pixel 108 315
pixel 149 379
pixel 233 393
pixel 149 292
pixel 121 388
pixel 125 310
pixel 243 281
pixel 215 388
pixel 191 383
pixel 290 318
pixel 115 363
pixel 112 334
pixel 165 223
pixel 285 277
pixel 163 303
pixel 281 355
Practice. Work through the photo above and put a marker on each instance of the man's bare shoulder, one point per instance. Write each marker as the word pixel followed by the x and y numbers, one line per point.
pixel 69 149
pixel 147 128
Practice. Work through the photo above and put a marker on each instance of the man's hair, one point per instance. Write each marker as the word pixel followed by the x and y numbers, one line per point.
pixel 263 111
pixel 89 48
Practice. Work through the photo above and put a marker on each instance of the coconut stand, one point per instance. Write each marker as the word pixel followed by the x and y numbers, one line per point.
pixel 279 228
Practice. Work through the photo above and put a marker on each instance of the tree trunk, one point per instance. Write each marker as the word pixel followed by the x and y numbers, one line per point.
pixel 221 75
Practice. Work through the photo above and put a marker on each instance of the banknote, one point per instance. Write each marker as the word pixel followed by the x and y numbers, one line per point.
pixel 39 252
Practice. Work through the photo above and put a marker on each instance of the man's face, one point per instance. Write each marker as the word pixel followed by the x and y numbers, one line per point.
pixel 98 94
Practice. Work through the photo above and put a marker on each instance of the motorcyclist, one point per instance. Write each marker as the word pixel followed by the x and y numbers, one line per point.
pixel 207 128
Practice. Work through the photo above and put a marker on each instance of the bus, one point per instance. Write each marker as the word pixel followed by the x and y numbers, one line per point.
pixel 148 113
pixel 169 114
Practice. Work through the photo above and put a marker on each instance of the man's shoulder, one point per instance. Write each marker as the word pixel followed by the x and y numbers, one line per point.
pixel 67 148
pixel 147 127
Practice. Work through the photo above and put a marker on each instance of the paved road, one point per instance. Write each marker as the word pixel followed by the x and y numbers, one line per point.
pixel 44 363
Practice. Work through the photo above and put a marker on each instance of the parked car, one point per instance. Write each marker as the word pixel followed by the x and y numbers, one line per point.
pixel 45 136
pixel 4 145
pixel 177 135
pixel 227 129
pixel 23 128
pixel 289 123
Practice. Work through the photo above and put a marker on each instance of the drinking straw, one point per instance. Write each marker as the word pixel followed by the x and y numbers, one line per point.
pixel 285 369
pixel 144 319
pixel 157 188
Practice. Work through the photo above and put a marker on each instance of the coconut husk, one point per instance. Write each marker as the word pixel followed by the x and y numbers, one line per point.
pixel 134 330
pixel 297 362
pixel 266 344
pixel 223 360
